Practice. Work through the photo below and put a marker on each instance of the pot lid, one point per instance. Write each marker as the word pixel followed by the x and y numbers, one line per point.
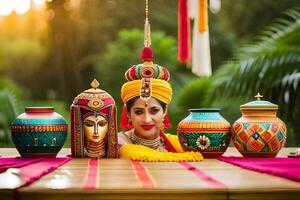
pixel 259 104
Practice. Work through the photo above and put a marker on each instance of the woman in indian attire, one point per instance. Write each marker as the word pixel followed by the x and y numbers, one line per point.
pixel 146 96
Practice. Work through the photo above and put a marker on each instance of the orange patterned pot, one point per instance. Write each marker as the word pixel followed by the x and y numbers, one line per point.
pixel 206 131
pixel 259 133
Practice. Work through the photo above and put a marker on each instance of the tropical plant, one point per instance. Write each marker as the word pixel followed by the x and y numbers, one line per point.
pixel 271 66
pixel 10 95
pixel 272 62
pixel 8 112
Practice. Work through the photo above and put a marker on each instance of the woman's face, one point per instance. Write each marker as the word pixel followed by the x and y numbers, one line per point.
pixel 147 120
pixel 95 128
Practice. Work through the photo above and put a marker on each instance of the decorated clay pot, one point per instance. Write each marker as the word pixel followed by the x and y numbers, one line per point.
pixel 206 131
pixel 259 133
pixel 39 132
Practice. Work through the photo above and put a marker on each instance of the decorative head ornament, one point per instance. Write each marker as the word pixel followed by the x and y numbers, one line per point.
pixel 93 124
pixel 146 80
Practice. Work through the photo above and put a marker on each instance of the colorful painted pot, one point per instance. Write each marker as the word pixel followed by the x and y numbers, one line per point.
pixel 206 131
pixel 39 132
pixel 259 133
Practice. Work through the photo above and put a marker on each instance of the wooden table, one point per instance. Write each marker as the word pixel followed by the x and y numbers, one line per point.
pixel 118 180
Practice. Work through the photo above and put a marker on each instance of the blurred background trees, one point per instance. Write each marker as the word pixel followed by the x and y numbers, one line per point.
pixel 51 53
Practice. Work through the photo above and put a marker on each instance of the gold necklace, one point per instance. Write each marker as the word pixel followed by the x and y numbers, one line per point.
pixel 94 149
pixel 157 143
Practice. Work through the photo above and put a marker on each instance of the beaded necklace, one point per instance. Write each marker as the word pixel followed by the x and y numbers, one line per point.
pixel 157 143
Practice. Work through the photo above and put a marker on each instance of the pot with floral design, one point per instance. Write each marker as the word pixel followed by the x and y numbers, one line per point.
pixel 39 132
pixel 206 131
pixel 259 133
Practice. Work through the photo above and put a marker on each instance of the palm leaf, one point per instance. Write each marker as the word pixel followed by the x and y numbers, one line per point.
pixel 271 64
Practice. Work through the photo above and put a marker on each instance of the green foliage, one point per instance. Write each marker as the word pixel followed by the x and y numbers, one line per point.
pixel 7 84
pixel 196 94
pixel 249 17
pixel 8 112
pixel 271 66
pixel 21 57
pixel 10 95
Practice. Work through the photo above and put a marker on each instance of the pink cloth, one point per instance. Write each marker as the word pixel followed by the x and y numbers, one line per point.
pixel 92 177
pixel 283 167
pixel 6 163
pixel 35 171
pixel 31 169
pixel 142 173
pixel 202 175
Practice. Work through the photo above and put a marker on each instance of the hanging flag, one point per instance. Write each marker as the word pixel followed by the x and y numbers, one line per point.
pixel 201 62
pixel 183 32
pixel 197 10
pixel 203 21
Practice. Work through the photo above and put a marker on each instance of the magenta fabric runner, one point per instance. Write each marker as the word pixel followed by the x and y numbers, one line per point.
pixel 283 167
pixel 143 175
pixel 202 175
pixel 31 169
pixel 92 177
pixel 35 171
pixel 6 163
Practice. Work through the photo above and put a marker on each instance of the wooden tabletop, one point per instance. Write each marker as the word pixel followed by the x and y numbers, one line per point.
pixel 119 180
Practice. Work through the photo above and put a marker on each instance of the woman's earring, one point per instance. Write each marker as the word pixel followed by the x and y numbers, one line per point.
pixel 162 127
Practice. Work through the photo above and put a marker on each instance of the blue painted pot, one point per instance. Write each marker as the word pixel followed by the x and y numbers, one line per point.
pixel 39 132
pixel 206 131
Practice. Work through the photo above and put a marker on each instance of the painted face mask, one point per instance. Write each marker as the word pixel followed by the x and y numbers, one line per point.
pixel 93 124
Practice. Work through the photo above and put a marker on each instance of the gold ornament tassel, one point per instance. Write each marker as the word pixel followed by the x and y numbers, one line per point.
pixel 147 34
pixel 147 31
